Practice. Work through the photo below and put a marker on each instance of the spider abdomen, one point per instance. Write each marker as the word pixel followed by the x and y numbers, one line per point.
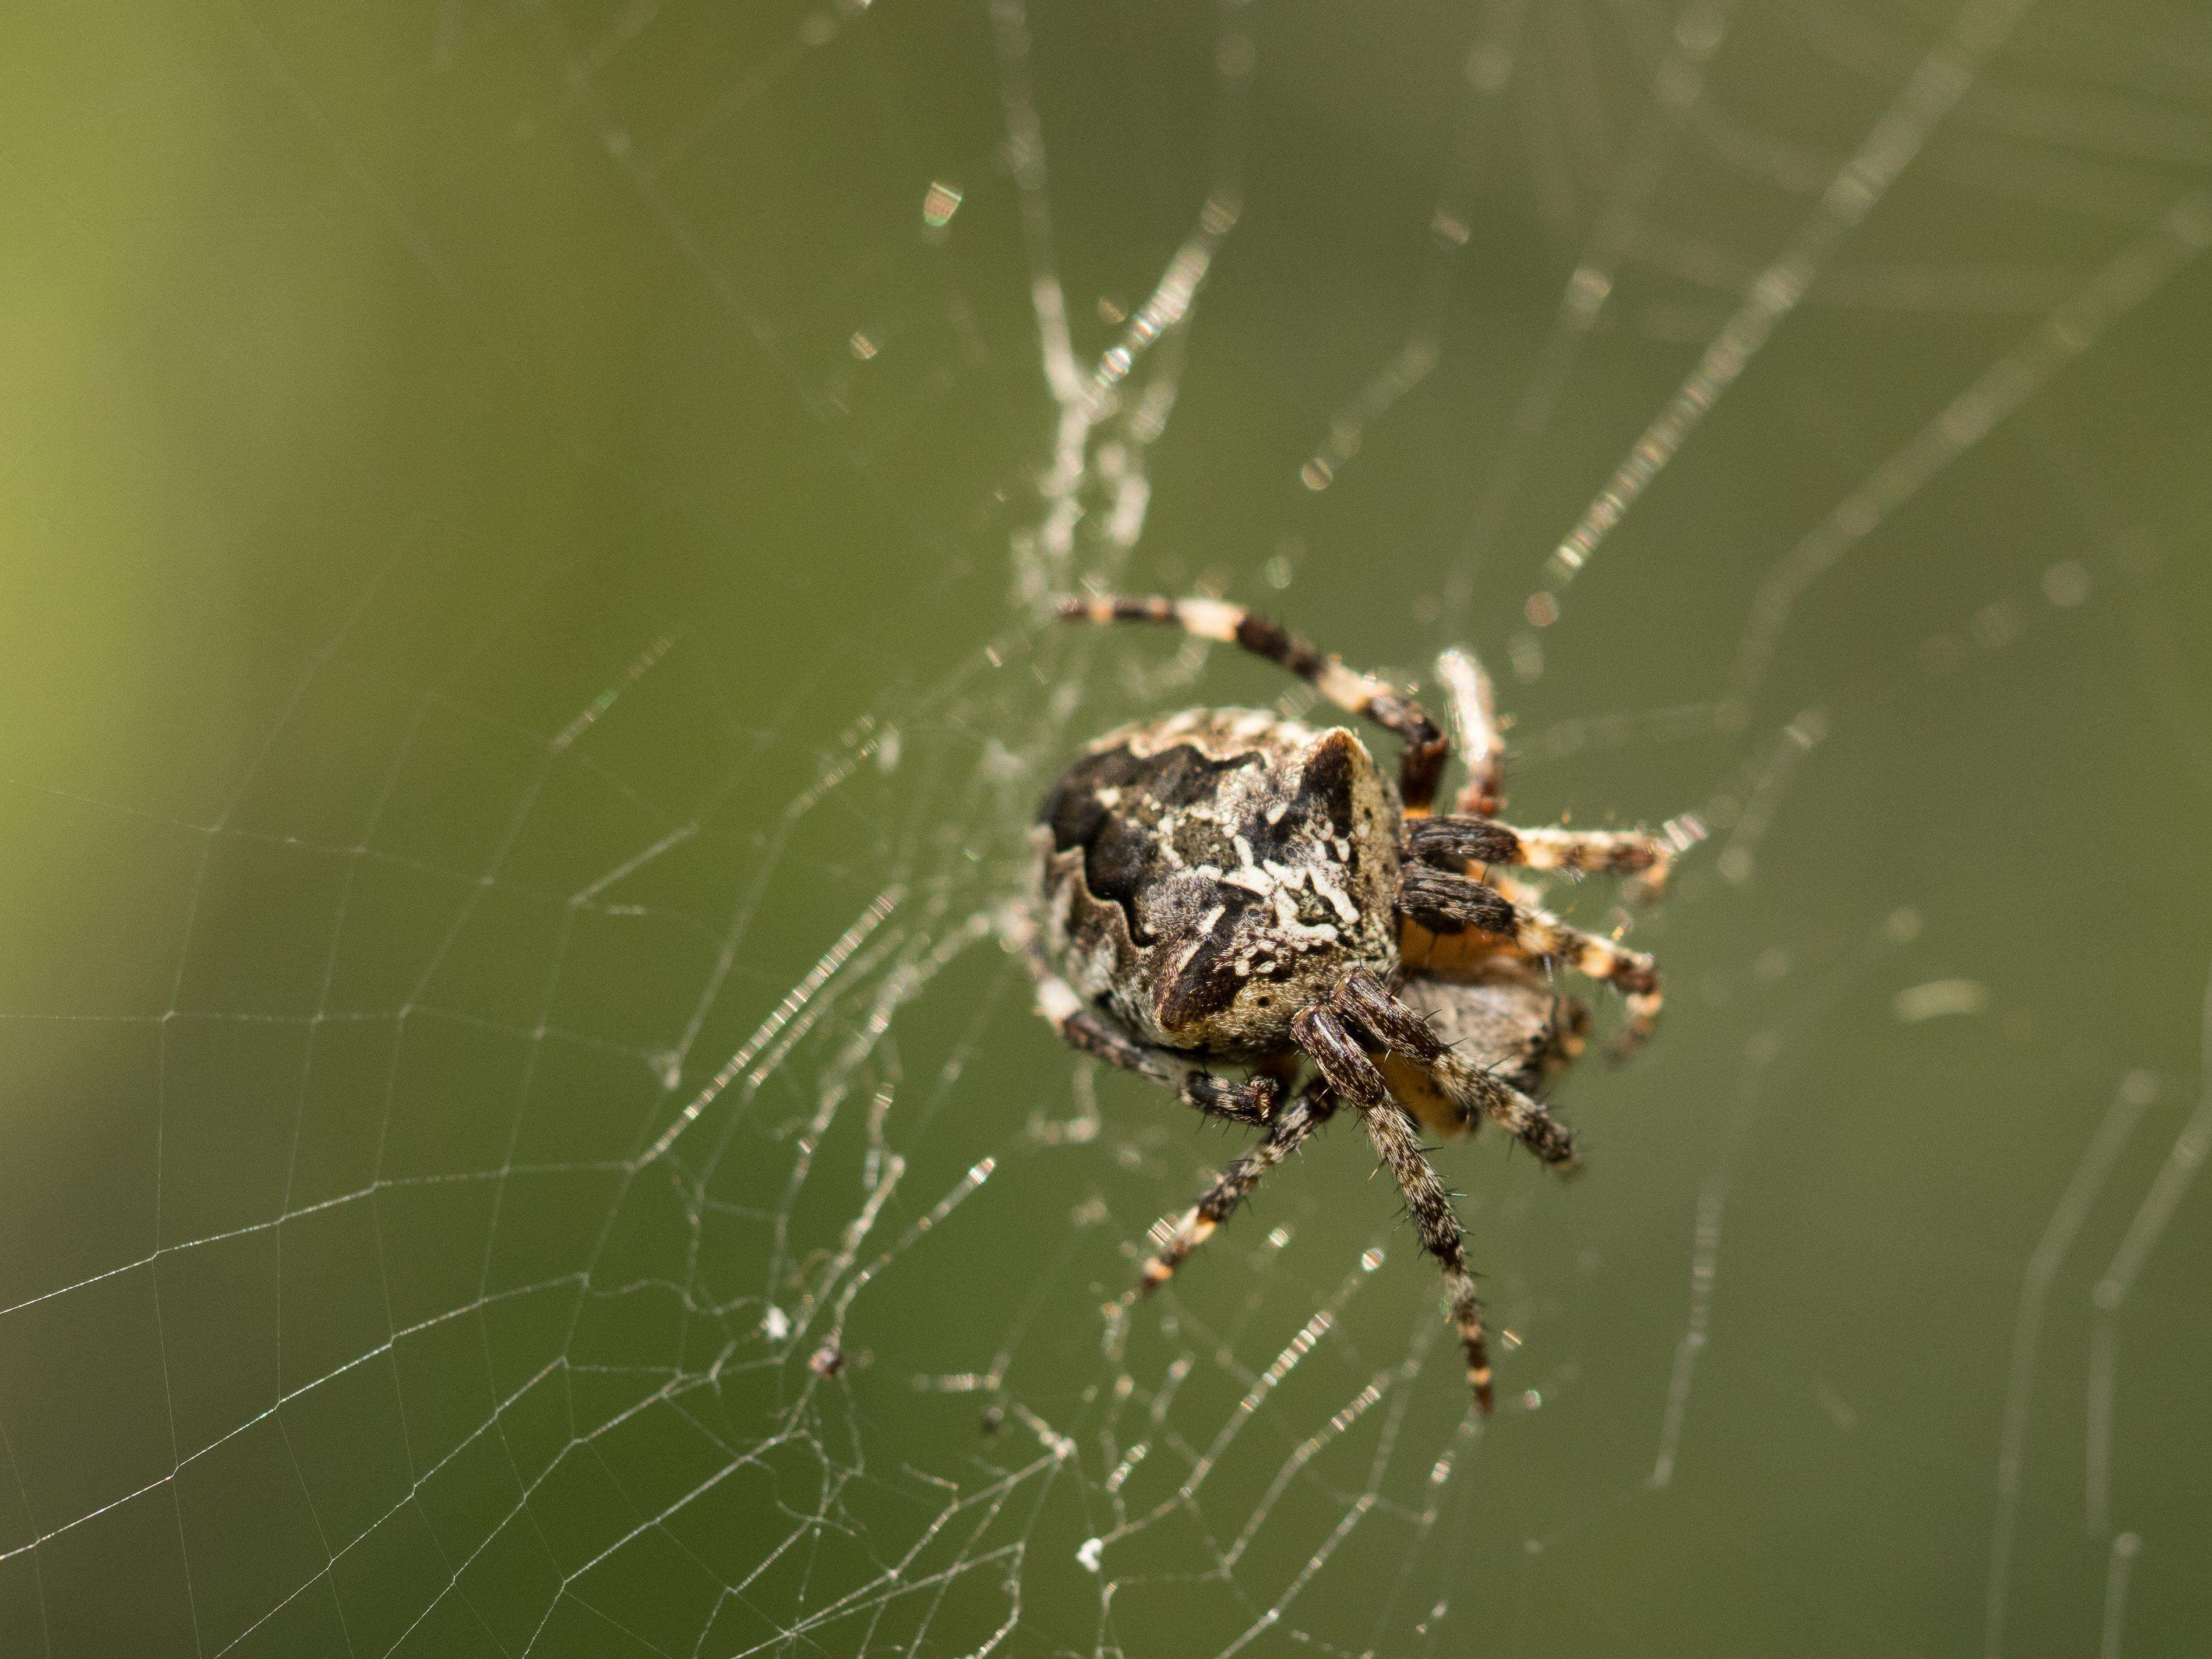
pixel 1208 876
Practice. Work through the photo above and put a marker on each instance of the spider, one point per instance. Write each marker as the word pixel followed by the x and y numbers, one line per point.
pixel 1229 885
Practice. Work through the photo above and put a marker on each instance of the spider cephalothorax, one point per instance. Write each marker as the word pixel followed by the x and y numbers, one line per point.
pixel 1227 885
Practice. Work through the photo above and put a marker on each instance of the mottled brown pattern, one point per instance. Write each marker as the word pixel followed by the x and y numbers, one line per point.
pixel 1207 877
pixel 1229 885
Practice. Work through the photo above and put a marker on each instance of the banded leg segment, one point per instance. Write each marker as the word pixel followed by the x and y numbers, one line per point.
pixel 1335 1035
pixel 1252 1101
pixel 1336 1053
pixel 1315 1105
pixel 1430 1206
pixel 1423 763
pixel 1473 1090
pixel 1456 839
pixel 1444 902
pixel 1388 1021
pixel 1475 712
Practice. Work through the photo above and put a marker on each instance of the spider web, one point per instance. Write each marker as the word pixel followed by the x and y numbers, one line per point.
pixel 525 1136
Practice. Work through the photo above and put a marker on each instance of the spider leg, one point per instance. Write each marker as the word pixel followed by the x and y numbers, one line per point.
pixel 1388 1021
pixel 1252 1101
pixel 1472 1090
pixel 1423 763
pixel 1336 1051
pixel 1293 1124
pixel 1452 841
pixel 1329 1033
pixel 1474 712
pixel 1470 1087
pixel 1444 902
pixel 1332 1034
pixel 1426 1200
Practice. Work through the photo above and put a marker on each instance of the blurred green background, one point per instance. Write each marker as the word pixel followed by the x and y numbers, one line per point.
pixel 524 526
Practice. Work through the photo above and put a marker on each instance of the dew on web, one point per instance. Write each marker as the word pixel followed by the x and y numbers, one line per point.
pixel 606 1185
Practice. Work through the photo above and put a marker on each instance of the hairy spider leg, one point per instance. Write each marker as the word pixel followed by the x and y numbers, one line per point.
pixel 1252 1101
pixel 1473 1090
pixel 1646 857
pixel 1367 1006
pixel 1327 1033
pixel 1450 840
pixel 1445 901
pixel 1331 1034
pixel 1337 1054
pixel 1360 1004
pixel 1391 1128
pixel 1315 1105
pixel 1393 1025
pixel 1474 712
pixel 1418 768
